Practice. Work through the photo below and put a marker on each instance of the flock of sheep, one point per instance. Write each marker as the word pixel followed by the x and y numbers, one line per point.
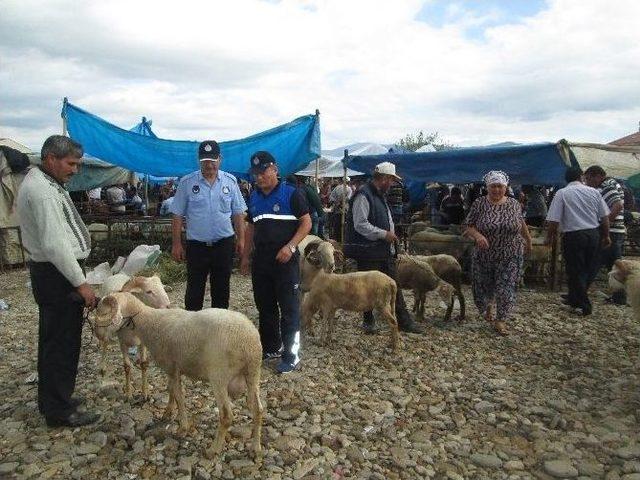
pixel 223 347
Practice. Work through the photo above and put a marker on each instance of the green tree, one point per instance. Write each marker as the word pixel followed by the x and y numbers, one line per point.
pixel 413 141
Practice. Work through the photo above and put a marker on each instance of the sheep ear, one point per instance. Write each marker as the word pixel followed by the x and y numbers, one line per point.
pixel 311 247
pixel 134 285
pixel 338 257
pixel 623 268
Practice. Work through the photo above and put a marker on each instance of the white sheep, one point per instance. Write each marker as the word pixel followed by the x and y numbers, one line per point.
pixel 418 276
pixel 355 292
pixel 327 256
pixel 449 270
pixel 434 243
pixel 625 275
pixel 152 292
pixel 219 346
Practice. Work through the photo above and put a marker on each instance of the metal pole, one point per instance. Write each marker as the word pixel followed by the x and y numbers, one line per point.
pixel 344 197
pixel 146 192
pixel 64 118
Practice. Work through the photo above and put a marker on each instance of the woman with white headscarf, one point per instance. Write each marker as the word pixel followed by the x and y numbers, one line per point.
pixel 501 236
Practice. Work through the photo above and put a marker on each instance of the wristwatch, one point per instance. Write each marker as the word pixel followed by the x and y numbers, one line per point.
pixel 292 248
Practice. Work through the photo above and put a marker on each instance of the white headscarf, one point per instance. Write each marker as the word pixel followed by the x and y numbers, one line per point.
pixel 496 176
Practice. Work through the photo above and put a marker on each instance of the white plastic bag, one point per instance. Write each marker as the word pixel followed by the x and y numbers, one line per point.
pixel 99 274
pixel 117 266
pixel 142 256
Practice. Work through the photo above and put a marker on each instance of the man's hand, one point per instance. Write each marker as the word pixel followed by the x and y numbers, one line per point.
pixel 605 242
pixel 177 252
pixel 284 254
pixel 244 265
pixel 391 237
pixel 88 295
pixel 239 246
pixel 481 242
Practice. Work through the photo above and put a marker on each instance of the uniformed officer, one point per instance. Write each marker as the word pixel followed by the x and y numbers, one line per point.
pixel 278 220
pixel 212 205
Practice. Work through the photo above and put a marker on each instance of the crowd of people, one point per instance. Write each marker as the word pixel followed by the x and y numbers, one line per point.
pixel 262 223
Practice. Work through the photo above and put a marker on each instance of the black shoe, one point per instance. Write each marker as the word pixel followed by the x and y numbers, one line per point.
pixel 75 419
pixel 586 310
pixel 370 328
pixel 412 327
pixel 564 296
pixel 572 305
pixel 75 402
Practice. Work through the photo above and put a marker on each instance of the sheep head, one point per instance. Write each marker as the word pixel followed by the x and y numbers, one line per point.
pixel 620 272
pixel 106 318
pixel 446 292
pixel 150 290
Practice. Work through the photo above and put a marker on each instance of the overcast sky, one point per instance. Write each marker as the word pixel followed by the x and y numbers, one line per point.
pixel 478 72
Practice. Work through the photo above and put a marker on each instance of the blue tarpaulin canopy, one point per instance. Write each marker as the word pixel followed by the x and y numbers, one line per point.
pixel 535 164
pixel 293 144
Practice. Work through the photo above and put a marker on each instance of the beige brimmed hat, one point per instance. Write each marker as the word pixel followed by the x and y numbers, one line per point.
pixel 387 168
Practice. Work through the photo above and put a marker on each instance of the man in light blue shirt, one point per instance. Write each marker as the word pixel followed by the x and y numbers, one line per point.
pixel 581 214
pixel 210 202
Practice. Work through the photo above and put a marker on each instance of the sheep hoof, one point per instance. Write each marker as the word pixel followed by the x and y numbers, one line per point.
pixel 210 453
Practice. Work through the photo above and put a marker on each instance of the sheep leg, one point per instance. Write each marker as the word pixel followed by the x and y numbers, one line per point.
pixel 462 303
pixel 171 405
pixel 330 321
pixel 393 326
pixel 447 316
pixel 257 410
pixel 127 370
pixel 103 358
pixel 175 384
pixel 144 365
pixel 225 417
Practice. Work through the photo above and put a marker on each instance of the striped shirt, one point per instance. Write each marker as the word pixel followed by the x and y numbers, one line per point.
pixel 612 193
pixel 52 230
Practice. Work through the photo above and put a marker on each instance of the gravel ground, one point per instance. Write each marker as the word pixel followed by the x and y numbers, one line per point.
pixel 559 398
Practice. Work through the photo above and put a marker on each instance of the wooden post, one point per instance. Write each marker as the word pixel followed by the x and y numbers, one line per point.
pixel 344 199
pixel 317 162
pixel 554 282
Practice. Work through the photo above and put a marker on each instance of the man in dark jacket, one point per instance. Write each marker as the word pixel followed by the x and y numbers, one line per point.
pixel 371 241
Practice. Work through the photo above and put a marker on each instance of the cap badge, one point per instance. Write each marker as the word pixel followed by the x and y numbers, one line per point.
pixel 256 160
pixel 225 189
pixel 207 148
pixel 276 208
pixel 195 189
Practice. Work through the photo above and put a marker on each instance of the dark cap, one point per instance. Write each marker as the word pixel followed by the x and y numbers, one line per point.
pixel 209 150
pixel 261 160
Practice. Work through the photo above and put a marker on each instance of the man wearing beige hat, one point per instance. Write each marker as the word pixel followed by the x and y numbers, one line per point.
pixel 371 241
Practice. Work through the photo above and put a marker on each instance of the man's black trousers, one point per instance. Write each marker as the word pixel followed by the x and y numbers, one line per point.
pixel 59 337
pixel 214 261
pixel 580 250
pixel 277 296
pixel 388 267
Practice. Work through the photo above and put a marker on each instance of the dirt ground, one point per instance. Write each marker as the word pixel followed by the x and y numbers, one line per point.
pixel 558 398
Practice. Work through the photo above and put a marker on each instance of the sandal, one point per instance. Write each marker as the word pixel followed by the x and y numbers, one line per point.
pixel 501 328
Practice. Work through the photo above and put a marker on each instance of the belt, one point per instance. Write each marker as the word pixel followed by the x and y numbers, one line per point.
pixel 209 244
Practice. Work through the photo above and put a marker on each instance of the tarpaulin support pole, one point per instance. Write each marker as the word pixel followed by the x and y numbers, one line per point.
pixel 344 197
pixel 64 117
pixel 146 192
pixel 317 162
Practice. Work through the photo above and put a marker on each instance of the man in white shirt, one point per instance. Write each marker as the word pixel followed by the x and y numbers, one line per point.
pixel 57 240
pixel 117 198
pixel 581 214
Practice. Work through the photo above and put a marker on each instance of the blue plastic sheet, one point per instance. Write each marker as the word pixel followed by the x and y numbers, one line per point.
pixel 535 164
pixel 294 145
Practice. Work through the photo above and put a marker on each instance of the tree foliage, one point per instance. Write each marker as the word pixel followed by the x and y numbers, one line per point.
pixel 413 141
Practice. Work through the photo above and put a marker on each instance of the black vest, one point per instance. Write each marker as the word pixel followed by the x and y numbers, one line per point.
pixel 357 246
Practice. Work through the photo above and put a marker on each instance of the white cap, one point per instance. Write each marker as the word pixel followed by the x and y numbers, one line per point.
pixel 387 168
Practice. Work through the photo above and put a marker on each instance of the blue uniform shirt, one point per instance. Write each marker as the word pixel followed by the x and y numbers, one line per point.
pixel 208 208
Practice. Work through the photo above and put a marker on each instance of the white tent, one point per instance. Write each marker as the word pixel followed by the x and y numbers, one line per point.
pixel 330 163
